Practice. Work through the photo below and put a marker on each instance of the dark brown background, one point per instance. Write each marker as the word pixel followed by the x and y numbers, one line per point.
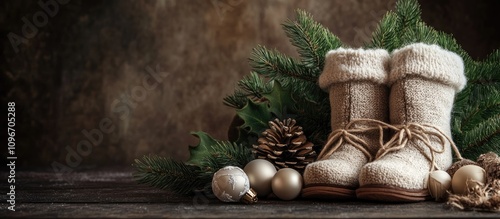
pixel 91 53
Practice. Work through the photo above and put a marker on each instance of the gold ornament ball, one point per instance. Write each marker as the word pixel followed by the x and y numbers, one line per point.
pixel 230 184
pixel 287 184
pixel 260 172
pixel 466 177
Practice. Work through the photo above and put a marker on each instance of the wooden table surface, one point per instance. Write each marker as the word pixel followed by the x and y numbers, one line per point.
pixel 112 192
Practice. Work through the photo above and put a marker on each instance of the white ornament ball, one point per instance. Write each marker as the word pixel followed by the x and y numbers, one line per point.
pixel 466 177
pixel 260 172
pixel 287 184
pixel 230 183
pixel 439 183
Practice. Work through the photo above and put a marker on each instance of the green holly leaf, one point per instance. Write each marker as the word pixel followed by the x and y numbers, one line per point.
pixel 280 101
pixel 198 153
pixel 239 134
pixel 256 116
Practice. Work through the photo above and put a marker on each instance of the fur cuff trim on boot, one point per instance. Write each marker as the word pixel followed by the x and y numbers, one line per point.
pixel 342 65
pixel 430 62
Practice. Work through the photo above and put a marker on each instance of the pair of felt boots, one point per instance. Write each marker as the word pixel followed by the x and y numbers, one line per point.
pixel 390 120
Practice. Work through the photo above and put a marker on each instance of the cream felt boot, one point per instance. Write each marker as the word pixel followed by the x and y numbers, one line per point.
pixel 424 80
pixel 356 82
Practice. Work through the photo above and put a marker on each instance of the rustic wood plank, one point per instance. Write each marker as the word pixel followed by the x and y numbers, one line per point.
pixel 114 193
pixel 266 209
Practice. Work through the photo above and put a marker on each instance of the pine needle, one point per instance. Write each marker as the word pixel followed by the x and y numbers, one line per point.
pixel 168 174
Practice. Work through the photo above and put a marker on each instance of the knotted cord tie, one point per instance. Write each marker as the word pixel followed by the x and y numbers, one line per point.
pixel 423 132
pixel 403 134
pixel 349 134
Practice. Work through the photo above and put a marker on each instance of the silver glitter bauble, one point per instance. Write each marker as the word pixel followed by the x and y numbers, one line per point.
pixel 231 184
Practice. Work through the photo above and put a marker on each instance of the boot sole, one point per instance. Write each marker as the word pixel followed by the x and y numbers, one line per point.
pixel 391 194
pixel 327 192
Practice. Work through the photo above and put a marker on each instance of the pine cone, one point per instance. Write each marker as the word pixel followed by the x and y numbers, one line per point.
pixel 285 145
pixel 490 162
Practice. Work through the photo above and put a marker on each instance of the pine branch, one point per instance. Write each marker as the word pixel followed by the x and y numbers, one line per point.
pixel 311 39
pixel 222 154
pixel 276 66
pixel 485 74
pixel 236 100
pixel 408 12
pixel 168 174
pixel 447 42
pixel 482 83
pixel 386 34
pixel 288 72
pixel 475 140
pixel 477 109
pixel 254 85
pixel 184 178
pixel 408 16
pixel 226 153
pixel 419 32
pixel 251 87
pixel 467 117
pixel 471 115
pixel 494 57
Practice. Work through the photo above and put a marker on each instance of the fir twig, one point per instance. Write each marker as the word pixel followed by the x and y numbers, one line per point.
pixel 276 66
pixel 251 87
pixel 182 178
pixel 311 39
pixel 168 174
pixel 385 36
pixel 482 137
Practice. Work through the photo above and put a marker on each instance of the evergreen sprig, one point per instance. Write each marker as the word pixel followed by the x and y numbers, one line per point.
pixel 166 173
pixel 385 36
pixel 250 87
pixel 187 177
pixel 311 39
